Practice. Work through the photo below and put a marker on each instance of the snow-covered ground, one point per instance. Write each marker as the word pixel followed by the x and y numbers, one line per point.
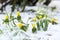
pixel 53 32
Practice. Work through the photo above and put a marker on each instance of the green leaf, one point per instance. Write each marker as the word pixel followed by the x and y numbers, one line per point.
pixel 12 17
pixel 38 25
pixel 41 23
pixel 46 25
pixel 18 18
pixel 34 30
pixel 54 23
pixel 24 28
pixel 6 21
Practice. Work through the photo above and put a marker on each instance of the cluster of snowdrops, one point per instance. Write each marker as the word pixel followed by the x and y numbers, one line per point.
pixel 41 20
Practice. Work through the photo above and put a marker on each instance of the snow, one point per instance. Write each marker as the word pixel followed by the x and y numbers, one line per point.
pixel 55 3
pixel 53 32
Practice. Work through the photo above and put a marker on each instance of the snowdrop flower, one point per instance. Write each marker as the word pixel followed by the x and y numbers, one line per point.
pixel 34 28
pixel 18 16
pixel 34 19
pixel 18 13
pixel 19 25
pixel 40 16
pixel 6 17
pixel 54 21
pixel 6 20
pixel 33 25
pixel 22 26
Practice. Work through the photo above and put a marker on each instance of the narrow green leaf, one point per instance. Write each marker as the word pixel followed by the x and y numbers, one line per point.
pixel 38 25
